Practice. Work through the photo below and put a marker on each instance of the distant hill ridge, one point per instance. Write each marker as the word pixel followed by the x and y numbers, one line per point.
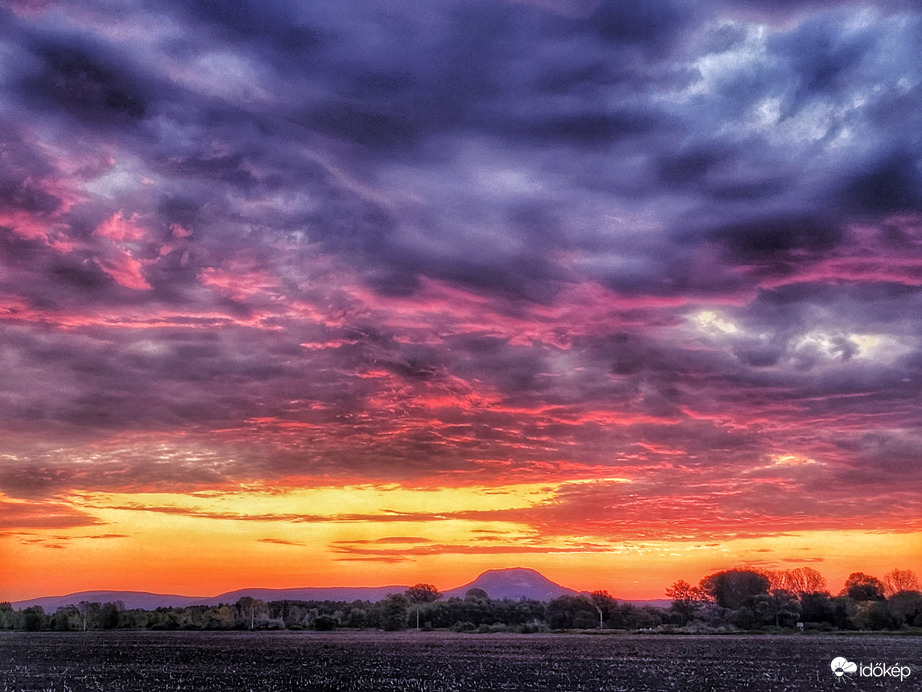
pixel 131 599
pixel 513 582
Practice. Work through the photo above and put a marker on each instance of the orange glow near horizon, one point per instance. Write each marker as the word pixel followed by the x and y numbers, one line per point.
pixel 207 543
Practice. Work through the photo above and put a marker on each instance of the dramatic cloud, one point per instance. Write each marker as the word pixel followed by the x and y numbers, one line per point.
pixel 676 244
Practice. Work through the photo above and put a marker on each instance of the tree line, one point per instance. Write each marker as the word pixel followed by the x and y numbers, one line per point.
pixel 752 599
pixel 734 599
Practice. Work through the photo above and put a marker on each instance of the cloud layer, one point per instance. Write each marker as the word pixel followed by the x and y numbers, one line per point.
pixel 674 243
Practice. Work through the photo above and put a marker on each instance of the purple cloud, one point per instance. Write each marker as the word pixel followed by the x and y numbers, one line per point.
pixel 496 240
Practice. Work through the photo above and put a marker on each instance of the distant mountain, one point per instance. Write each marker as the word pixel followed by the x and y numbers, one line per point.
pixel 318 593
pixel 150 601
pixel 131 599
pixel 514 583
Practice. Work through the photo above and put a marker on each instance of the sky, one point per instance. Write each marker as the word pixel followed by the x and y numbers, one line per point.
pixel 362 293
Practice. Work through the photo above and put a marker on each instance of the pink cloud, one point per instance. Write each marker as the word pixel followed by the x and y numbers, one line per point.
pixel 121 230
pixel 125 270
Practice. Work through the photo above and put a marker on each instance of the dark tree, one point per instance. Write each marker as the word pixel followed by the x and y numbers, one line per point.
pixel 844 610
pixel 572 612
pixel 817 607
pixel 906 606
pixel 875 615
pixel 605 605
pixel 780 608
pixel 732 588
pixel 630 617
pixel 7 616
pixel 394 611
pixel 246 611
pixel 686 599
pixel 422 593
pixel 863 587
pixel 33 619
pixel 108 616
pixel 325 623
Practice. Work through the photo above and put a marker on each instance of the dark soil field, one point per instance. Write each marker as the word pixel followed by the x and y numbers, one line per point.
pixel 265 661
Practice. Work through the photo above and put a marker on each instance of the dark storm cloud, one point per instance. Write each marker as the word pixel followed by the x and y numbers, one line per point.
pixel 893 184
pixel 72 81
pixel 391 241
pixel 650 24
pixel 481 83
pixel 777 239
pixel 380 99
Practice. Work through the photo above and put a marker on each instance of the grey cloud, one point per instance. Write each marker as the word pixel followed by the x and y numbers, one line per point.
pixel 891 185
pixel 87 88
pixel 653 25
pixel 776 240
pixel 682 158
pixel 823 62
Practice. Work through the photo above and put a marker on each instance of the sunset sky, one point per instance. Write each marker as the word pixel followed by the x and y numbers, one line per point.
pixel 343 292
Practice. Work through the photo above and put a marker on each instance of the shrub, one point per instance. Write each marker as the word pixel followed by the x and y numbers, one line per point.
pixel 325 623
